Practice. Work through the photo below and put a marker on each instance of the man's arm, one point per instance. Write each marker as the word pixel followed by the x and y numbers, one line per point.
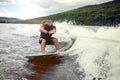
pixel 52 31
pixel 43 30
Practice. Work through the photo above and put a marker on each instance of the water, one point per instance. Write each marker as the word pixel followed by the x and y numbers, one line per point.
pixel 90 52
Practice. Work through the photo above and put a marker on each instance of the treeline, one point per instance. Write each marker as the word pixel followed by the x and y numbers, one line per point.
pixel 1 21
pixel 8 20
pixel 102 14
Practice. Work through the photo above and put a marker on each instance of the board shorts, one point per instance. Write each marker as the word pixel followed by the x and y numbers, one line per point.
pixel 49 41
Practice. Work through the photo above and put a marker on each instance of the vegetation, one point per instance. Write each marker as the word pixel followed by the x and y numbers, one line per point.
pixel 2 21
pixel 102 14
pixel 8 20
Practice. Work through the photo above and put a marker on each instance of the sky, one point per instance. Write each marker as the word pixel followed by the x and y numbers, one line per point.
pixel 28 9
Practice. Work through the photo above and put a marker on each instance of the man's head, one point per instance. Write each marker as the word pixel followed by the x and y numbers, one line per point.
pixel 49 21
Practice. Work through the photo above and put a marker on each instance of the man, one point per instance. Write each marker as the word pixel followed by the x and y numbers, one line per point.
pixel 47 29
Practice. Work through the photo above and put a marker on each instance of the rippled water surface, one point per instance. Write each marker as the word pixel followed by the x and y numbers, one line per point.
pixel 89 52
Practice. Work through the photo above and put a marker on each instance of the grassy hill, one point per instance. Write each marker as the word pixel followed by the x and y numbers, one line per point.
pixel 102 14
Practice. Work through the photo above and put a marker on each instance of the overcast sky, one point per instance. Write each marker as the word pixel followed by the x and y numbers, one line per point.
pixel 27 9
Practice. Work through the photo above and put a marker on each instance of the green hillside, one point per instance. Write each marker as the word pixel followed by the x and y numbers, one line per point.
pixel 102 14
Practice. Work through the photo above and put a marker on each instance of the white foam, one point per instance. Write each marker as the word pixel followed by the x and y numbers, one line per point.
pixel 98 51
pixel 27 30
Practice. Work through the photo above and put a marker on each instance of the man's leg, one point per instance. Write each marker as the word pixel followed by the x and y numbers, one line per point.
pixel 55 41
pixel 43 44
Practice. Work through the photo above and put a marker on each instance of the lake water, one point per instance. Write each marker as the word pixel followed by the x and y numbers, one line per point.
pixel 90 52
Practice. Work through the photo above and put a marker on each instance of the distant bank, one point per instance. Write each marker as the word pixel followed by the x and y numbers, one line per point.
pixel 8 20
pixel 103 14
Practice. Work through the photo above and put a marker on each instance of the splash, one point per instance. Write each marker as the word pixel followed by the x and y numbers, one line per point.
pixel 98 49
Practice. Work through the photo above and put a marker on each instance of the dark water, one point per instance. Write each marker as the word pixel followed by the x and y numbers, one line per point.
pixel 41 65
pixel 54 67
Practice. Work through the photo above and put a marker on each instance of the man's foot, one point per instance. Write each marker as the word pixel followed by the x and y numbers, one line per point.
pixel 57 52
pixel 43 53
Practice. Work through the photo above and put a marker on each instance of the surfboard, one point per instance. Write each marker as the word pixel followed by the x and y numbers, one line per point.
pixel 44 56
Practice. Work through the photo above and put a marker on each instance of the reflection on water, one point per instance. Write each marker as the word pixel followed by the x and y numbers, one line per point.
pixel 54 67
pixel 41 65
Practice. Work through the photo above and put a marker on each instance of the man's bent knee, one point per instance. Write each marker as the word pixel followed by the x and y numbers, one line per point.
pixel 55 40
pixel 43 41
